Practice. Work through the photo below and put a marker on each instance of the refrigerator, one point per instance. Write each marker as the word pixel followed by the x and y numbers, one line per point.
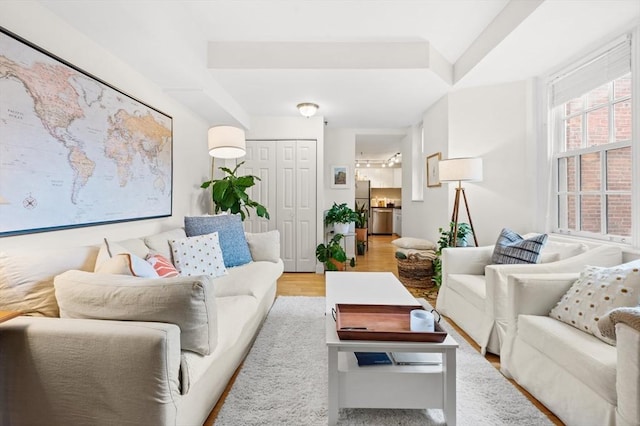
pixel 363 196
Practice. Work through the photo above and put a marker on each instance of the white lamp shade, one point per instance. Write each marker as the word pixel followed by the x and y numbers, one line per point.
pixel 459 169
pixel 226 142
pixel 308 109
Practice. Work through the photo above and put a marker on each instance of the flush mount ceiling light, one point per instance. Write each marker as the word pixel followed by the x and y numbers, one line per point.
pixel 308 109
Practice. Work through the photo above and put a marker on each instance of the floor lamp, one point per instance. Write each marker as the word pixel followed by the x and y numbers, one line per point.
pixel 460 169
pixel 226 142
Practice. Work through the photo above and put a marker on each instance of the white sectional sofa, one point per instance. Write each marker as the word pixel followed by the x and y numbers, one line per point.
pixel 581 379
pixel 474 292
pixel 72 371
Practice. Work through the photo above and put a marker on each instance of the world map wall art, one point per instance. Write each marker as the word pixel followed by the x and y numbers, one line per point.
pixel 74 150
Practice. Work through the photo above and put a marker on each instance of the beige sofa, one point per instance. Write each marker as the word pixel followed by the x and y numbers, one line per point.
pixel 580 378
pixel 474 292
pixel 70 371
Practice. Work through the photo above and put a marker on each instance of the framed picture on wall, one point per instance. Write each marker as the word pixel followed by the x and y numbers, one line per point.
pixel 432 170
pixel 340 177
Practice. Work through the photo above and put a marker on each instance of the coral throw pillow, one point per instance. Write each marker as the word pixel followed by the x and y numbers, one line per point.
pixel 162 265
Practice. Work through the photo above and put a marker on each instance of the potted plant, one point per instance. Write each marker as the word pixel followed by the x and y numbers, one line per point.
pixel 340 216
pixel 360 247
pixel 332 254
pixel 229 194
pixel 361 224
pixel 446 240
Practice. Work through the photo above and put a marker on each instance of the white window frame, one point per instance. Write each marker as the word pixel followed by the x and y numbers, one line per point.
pixel 557 135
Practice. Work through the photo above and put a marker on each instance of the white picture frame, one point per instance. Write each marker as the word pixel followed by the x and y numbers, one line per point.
pixel 340 177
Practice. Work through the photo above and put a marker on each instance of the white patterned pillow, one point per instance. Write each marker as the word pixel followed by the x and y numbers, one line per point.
pixel 199 255
pixel 596 292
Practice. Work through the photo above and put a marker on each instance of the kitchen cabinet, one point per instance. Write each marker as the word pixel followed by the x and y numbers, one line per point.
pixel 397 177
pixel 380 178
pixel 397 222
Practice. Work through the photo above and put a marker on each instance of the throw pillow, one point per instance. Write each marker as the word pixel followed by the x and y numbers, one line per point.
pixel 159 243
pixel 512 248
pixel 186 302
pixel 264 246
pixel 115 259
pixel 199 255
pixel 413 243
pixel 235 249
pixel 162 266
pixel 596 292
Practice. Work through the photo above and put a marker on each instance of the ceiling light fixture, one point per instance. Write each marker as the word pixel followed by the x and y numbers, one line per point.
pixel 308 109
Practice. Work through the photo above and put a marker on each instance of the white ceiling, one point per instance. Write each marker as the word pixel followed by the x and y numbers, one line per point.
pixel 468 43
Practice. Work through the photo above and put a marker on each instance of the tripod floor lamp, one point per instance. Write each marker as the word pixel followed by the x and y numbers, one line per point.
pixel 460 169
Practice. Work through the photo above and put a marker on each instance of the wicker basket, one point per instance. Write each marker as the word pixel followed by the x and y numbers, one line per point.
pixel 415 272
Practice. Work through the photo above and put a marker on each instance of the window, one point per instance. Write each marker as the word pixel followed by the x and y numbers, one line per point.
pixel 592 139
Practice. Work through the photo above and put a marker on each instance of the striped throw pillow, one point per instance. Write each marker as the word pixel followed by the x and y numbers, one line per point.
pixel 163 267
pixel 512 248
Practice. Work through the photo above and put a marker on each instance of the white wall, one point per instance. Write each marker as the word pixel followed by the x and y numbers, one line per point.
pixel 340 150
pixel 190 160
pixel 492 122
pixel 421 219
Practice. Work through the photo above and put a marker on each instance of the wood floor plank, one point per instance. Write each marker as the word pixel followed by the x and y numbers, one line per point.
pixel 380 257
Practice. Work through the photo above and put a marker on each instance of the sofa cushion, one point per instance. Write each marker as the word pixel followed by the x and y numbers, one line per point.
pixel 127 264
pixel 264 246
pixel 26 280
pixel 596 292
pixel 471 287
pixel 562 250
pixel 235 249
pixel 581 354
pixel 187 302
pixel 512 248
pixel 199 255
pixel 253 279
pixel 159 243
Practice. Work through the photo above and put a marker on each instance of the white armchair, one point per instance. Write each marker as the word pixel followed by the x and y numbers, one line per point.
pixel 581 379
pixel 474 292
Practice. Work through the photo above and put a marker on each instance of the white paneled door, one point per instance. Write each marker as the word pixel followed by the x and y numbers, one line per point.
pixel 287 170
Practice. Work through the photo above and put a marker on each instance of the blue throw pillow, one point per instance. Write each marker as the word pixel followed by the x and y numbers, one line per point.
pixel 512 248
pixel 235 250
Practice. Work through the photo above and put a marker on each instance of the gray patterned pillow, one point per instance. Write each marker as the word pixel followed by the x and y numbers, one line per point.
pixel 235 249
pixel 512 248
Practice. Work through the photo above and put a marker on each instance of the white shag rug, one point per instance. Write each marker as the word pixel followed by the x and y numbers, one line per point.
pixel 284 381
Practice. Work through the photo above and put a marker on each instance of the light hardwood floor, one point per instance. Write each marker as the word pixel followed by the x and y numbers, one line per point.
pixel 378 258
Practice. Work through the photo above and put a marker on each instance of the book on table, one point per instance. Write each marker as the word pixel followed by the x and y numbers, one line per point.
pixel 372 358
pixel 416 358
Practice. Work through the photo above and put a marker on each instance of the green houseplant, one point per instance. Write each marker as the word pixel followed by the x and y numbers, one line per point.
pixel 446 240
pixel 229 194
pixel 342 215
pixel 332 254
pixel 361 226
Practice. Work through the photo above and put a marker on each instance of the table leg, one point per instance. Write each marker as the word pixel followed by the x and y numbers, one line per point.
pixel 449 386
pixel 332 410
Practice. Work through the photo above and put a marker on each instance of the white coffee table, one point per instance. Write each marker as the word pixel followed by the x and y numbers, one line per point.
pixel 383 386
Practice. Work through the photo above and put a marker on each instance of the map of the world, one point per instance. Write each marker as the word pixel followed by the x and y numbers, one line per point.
pixel 75 151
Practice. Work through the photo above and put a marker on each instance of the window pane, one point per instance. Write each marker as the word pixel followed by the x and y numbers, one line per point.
pixel 590 172
pixel 619 215
pixel 590 213
pixel 574 105
pixel 622 87
pixel 571 212
pixel 622 121
pixel 574 133
pixel 598 126
pixel 619 169
pixel 598 96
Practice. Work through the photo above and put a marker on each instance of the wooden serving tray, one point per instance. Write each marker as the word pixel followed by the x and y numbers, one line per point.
pixel 381 322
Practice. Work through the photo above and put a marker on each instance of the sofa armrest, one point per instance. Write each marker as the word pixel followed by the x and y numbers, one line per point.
pixel 78 371
pixel 468 260
pixel 628 375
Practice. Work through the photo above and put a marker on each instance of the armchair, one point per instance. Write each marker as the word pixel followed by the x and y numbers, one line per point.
pixel 580 378
pixel 474 292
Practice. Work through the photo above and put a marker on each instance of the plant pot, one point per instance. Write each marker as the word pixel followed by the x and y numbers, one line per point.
pixel 361 248
pixel 361 234
pixel 340 265
pixel 341 228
